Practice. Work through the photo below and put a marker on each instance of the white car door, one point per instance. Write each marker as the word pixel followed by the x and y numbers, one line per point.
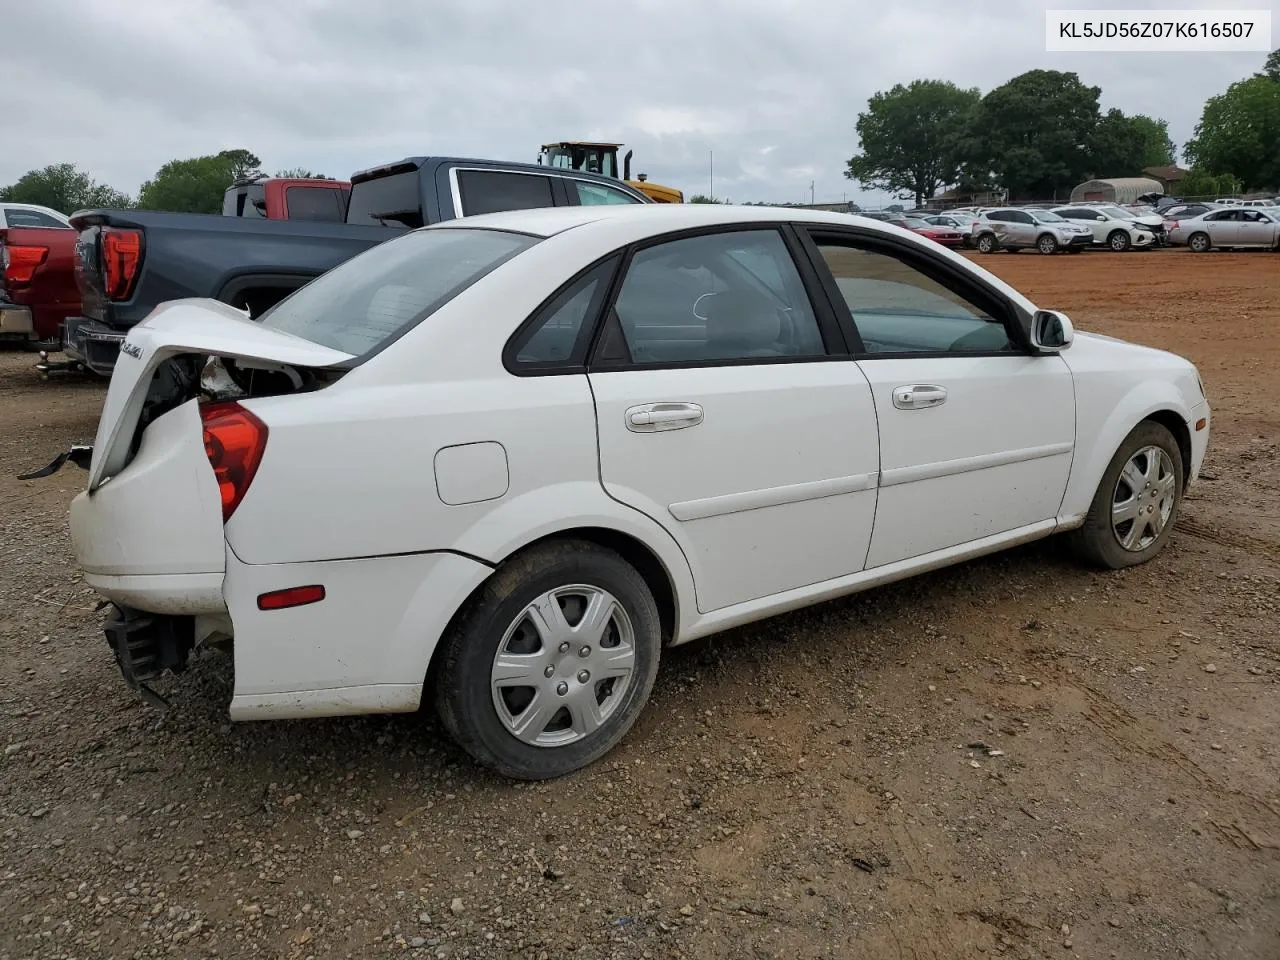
pixel 976 432
pixel 729 411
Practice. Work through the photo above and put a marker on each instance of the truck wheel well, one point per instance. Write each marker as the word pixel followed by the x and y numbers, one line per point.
pixel 259 300
pixel 1181 433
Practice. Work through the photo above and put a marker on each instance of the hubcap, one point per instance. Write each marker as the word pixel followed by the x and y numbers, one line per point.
pixel 563 666
pixel 1117 242
pixel 1143 499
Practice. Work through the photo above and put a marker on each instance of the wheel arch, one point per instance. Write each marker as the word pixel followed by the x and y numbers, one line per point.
pixel 656 573
pixel 1154 400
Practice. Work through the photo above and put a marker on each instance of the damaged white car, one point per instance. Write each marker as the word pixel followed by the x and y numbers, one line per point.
pixel 498 464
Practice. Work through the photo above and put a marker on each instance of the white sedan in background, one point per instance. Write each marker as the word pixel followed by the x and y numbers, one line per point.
pixel 500 463
pixel 1230 227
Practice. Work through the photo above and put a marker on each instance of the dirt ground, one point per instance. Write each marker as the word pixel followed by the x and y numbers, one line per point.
pixel 813 786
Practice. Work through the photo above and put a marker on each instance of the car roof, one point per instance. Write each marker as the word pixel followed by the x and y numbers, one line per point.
pixel 484 163
pixel 662 217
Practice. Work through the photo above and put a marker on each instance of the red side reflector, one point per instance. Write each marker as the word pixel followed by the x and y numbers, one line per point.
pixel 1201 423
pixel 292 597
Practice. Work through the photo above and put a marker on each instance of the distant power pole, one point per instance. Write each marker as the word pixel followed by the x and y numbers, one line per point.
pixel 811 193
pixel 711 154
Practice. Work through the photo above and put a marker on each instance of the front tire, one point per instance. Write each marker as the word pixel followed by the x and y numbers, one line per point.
pixel 551 663
pixel 1047 244
pixel 1118 241
pixel 1136 503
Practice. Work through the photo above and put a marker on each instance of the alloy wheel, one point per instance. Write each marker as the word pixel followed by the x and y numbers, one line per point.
pixel 1143 499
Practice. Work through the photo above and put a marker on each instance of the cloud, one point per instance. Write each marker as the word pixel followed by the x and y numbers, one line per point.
pixel 772 89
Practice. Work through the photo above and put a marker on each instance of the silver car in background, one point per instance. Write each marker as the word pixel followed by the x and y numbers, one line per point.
pixel 1230 227
pixel 1021 228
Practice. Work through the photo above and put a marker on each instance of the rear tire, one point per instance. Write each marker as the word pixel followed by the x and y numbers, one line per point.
pixel 1199 243
pixel 1136 503
pixel 987 243
pixel 577 704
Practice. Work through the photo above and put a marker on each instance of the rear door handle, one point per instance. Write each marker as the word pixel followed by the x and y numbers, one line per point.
pixel 654 417
pixel 918 396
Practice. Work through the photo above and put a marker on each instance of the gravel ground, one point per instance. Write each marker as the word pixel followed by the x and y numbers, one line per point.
pixel 1015 757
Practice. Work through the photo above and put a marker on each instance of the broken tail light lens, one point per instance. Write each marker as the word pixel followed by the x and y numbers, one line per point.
pixel 234 440
pixel 121 258
pixel 21 262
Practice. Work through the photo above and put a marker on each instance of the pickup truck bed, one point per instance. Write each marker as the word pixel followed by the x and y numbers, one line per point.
pixel 129 262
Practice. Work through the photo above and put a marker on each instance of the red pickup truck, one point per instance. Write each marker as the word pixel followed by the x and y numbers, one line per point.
pixel 287 198
pixel 37 272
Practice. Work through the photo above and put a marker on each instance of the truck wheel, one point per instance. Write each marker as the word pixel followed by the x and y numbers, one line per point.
pixel 551 662
pixel 1118 240
pixel 1136 503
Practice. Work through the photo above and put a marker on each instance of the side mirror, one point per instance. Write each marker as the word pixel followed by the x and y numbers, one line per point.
pixel 1051 331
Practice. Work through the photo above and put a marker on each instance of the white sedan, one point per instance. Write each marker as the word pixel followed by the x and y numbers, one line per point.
pixel 500 463
pixel 1232 227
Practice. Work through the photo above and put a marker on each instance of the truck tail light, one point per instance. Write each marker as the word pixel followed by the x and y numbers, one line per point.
pixel 234 440
pixel 20 263
pixel 121 258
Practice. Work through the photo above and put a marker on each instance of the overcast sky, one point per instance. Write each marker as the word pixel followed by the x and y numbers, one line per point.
pixel 771 87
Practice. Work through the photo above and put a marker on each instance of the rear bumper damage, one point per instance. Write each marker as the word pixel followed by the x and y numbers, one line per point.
pixel 147 644
pixel 91 344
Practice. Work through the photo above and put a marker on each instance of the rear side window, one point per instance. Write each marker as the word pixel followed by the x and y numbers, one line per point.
pixel 374 297
pixel 313 203
pixel 247 201
pixel 557 335
pixel 590 194
pixel 389 201
pixel 31 218
pixel 492 191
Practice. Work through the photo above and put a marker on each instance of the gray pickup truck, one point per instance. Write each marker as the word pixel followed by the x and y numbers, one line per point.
pixel 130 261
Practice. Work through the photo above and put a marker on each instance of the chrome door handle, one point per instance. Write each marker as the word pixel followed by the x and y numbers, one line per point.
pixel 653 417
pixel 918 396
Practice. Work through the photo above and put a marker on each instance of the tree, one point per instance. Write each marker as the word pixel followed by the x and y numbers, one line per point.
pixel 1033 134
pixel 1271 69
pixel 197 185
pixel 911 138
pixel 1200 183
pixel 1121 146
pixel 1239 133
pixel 703 198
pixel 301 173
pixel 64 188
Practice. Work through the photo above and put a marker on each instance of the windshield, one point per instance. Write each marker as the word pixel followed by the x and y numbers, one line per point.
pixel 1117 212
pixel 1047 216
pixel 376 296
pixel 915 223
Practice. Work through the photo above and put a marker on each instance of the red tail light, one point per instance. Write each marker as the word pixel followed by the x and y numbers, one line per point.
pixel 21 262
pixel 121 257
pixel 233 441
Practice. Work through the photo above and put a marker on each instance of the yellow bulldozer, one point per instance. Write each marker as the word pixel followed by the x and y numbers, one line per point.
pixel 602 158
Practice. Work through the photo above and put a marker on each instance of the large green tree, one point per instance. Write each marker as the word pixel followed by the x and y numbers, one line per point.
pixel 196 185
pixel 301 173
pixel 1239 133
pixel 911 138
pixel 1033 134
pixel 1121 146
pixel 1271 68
pixel 64 188
pixel 1200 183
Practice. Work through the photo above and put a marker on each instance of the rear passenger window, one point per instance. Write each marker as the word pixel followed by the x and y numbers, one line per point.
pixel 313 203
pixel 590 194
pixel 492 191
pixel 558 335
pixel 723 296
pixel 17 217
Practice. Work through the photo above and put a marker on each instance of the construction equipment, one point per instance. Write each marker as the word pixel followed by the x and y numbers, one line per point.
pixel 602 158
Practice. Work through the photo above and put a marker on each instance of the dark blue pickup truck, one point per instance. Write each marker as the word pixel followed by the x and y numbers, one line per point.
pixel 130 261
